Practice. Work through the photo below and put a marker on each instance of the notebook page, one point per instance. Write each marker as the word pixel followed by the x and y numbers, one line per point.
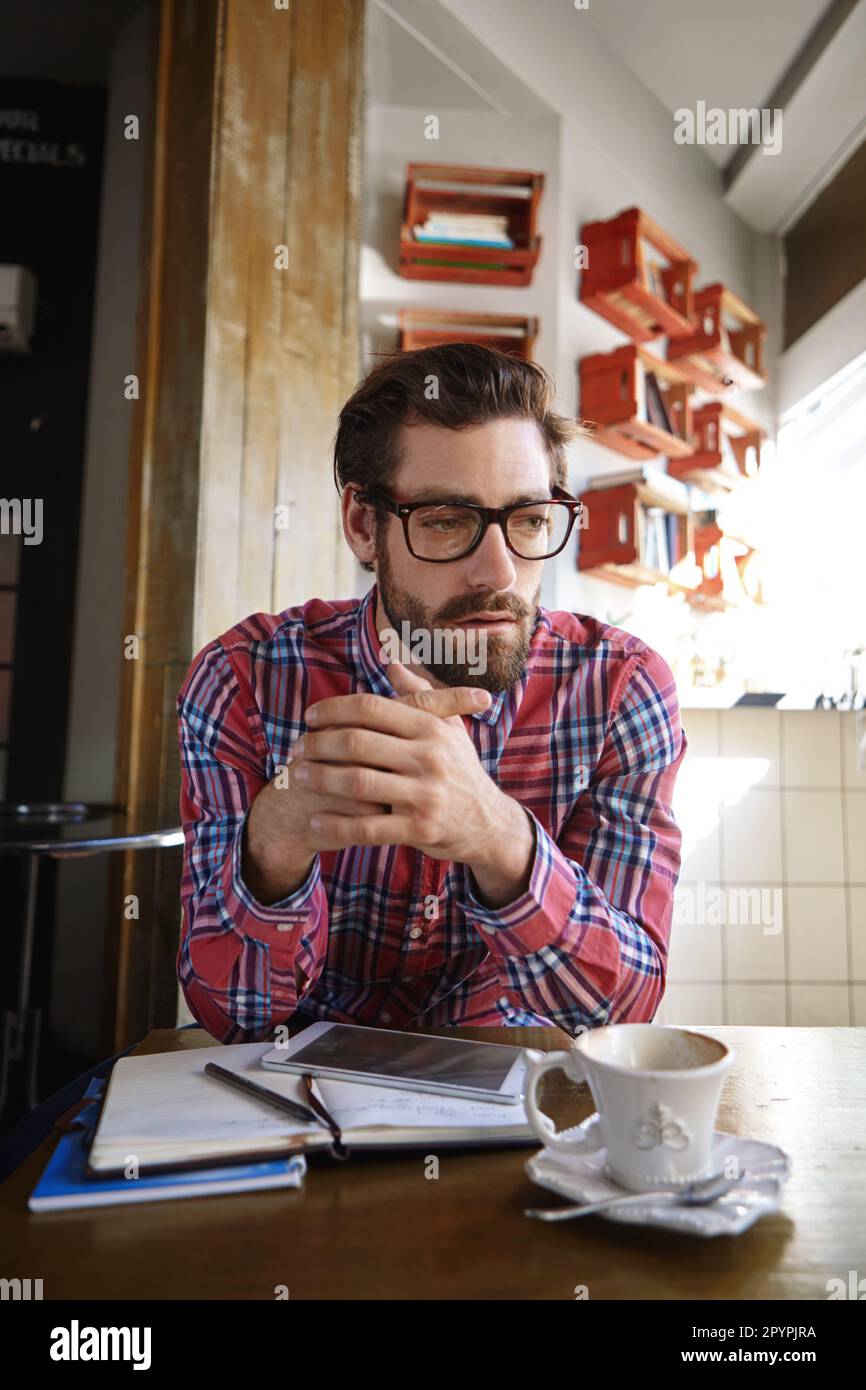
pixel 168 1097
pixel 356 1105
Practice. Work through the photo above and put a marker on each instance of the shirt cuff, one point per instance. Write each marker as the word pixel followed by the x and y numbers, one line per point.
pixel 537 917
pixel 273 923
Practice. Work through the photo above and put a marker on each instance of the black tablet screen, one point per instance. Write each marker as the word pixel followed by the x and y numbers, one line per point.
pixel 406 1056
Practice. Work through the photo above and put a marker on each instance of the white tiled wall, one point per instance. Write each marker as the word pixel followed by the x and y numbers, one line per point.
pixel 771 803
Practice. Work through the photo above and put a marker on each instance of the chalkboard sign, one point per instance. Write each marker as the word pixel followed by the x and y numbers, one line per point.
pixel 51 152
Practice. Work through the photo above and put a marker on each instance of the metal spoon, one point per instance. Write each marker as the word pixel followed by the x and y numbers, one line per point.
pixel 696 1194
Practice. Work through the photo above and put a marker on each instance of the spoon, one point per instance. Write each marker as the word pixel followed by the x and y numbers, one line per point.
pixel 696 1194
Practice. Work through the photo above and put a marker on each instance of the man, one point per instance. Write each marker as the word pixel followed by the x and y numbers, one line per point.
pixel 479 833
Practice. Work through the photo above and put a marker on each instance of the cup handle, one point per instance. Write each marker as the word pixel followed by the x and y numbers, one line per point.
pixel 538 1063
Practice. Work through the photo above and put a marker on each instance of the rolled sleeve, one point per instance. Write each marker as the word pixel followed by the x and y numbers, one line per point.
pixel 540 915
pixel 258 920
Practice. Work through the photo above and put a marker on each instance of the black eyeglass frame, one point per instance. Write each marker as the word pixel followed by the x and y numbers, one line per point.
pixel 489 516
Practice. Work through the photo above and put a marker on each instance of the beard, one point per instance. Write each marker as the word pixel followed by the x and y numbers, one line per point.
pixel 506 654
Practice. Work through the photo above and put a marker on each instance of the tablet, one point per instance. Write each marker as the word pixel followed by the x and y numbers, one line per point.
pixel 410 1061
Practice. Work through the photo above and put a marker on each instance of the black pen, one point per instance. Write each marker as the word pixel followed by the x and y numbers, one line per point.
pixel 252 1088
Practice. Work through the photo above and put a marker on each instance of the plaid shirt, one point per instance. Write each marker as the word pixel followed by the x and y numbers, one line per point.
pixel 588 741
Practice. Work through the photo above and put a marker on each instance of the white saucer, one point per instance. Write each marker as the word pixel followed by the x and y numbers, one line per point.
pixel 583 1179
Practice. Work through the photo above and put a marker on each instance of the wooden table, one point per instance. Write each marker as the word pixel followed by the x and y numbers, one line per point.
pixel 375 1227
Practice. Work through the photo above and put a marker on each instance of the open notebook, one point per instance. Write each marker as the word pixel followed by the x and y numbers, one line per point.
pixel 163 1112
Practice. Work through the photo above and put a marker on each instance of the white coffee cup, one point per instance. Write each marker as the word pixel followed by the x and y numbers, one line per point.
pixel 656 1091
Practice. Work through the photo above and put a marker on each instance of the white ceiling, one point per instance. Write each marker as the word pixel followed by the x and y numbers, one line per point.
pixel 418 54
pixel 728 54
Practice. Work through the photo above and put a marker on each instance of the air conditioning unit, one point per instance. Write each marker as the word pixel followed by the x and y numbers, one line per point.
pixel 17 308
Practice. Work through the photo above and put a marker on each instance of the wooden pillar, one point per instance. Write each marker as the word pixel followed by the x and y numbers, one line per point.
pixel 248 347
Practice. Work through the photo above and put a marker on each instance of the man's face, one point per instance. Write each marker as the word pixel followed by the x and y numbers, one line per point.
pixel 493 464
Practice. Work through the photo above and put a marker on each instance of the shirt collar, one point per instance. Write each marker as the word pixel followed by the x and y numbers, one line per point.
pixel 369 645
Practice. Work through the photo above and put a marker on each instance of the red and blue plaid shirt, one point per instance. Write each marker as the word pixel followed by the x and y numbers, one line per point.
pixel 589 741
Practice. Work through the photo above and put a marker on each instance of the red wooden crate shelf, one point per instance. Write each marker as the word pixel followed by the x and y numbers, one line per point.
pixel 510 333
pixel 613 546
pixel 727 348
pixel 625 283
pixel 614 395
pixel 730 567
pixel 448 188
pixel 717 428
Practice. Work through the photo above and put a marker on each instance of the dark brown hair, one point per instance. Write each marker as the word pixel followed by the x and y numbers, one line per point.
pixel 474 384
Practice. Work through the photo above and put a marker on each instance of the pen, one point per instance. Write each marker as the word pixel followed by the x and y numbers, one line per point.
pixel 252 1088
pixel 338 1148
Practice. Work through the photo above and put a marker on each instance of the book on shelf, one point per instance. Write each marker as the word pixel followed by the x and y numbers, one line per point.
pixel 674 539
pixel 656 410
pixel 661 538
pixel 677 412
pixel 649 551
pixel 492 221
pixel 464 228
pixel 650 269
pixel 657 557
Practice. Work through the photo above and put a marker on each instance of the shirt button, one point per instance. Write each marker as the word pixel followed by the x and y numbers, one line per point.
pixel 415 933
pixel 386 1017
pixel 284 926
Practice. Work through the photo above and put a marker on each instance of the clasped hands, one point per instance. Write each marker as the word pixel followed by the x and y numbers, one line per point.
pixel 377 771
pixel 409 762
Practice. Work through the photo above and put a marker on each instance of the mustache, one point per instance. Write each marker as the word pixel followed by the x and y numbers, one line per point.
pixel 465 607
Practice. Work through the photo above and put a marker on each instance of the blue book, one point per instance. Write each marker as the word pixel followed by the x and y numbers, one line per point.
pixel 65 1182
pixel 502 244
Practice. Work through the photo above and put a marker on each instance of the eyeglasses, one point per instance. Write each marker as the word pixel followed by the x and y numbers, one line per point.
pixel 440 532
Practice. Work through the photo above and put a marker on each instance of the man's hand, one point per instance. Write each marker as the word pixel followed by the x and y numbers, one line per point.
pixel 279 845
pixel 414 755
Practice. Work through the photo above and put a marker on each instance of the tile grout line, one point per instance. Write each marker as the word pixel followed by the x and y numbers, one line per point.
pixel 846 872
